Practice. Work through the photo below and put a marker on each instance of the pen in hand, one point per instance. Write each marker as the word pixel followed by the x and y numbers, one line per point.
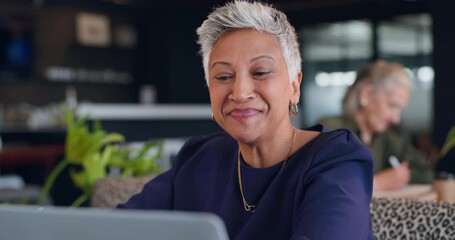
pixel 393 160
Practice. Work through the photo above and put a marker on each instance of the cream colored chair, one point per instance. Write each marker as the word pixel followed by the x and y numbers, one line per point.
pixel 113 190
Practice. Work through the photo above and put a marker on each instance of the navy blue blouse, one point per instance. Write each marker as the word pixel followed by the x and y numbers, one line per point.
pixel 323 192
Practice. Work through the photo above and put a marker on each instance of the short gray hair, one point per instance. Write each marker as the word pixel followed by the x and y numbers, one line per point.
pixel 381 75
pixel 255 15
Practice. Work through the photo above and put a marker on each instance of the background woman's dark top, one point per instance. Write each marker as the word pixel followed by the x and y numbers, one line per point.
pixel 385 145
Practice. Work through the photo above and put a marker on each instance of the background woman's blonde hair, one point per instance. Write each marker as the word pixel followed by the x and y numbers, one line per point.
pixel 380 75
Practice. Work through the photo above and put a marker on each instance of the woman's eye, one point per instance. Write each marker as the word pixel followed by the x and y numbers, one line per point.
pixel 261 73
pixel 222 77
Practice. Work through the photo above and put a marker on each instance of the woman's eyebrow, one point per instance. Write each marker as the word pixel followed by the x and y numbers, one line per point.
pixel 221 63
pixel 262 57
pixel 252 60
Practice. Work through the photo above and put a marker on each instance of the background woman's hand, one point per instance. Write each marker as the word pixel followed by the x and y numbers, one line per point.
pixel 392 178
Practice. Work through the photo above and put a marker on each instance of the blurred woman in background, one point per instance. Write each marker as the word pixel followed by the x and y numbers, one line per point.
pixel 371 105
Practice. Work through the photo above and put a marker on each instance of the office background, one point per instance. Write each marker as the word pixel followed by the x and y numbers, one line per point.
pixel 113 51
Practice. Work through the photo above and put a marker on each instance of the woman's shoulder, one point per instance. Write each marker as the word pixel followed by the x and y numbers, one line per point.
pixel 336 148
pixel 337 141
pixel 207 141
pixel 327 133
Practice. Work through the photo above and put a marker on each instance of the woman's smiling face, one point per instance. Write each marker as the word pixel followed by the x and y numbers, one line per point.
pixel 249 85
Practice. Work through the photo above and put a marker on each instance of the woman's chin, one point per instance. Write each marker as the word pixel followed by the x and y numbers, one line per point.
pixel 381 129
pixel 244 135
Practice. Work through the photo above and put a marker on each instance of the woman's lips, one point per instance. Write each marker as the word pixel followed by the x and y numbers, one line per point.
pixel 244 113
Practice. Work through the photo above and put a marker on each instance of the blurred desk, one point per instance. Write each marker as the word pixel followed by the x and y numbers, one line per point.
pixel 413 191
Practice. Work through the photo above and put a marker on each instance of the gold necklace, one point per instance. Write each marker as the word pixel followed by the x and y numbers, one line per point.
pixel 252 207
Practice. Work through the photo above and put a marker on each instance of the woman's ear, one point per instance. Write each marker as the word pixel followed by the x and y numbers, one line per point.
pixel 295 87
pixel 365 94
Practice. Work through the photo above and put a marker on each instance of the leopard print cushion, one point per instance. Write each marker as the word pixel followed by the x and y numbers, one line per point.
pixel 410 219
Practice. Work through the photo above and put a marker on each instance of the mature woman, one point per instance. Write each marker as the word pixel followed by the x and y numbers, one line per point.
pixel 263 177
pixel 370 106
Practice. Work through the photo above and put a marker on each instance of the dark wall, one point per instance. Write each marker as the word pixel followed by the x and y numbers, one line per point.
pixel 154 38
pixel 187 75
pixel 169 54
pixel 443 52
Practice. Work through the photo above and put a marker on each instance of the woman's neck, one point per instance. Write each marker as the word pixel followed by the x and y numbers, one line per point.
pixel 270 151
pixel 366 135
pixel 277 148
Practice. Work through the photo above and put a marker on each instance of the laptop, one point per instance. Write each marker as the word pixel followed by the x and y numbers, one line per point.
pixel 21 222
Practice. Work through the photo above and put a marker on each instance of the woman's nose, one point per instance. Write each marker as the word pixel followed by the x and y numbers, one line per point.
pixel 242 88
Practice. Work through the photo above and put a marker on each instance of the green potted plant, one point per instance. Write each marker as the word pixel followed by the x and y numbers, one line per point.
pixel 449 143
pixel 90 154
pixel 444 180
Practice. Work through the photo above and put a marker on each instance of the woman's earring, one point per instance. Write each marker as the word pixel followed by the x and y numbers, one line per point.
pixel 213 117
pixel 294 109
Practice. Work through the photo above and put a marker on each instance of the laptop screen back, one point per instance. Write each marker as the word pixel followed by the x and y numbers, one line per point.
pixel 52 223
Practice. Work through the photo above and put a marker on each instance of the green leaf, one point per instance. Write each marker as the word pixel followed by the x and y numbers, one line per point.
pixel 95 151
pixel 80 179
pixel 449 142
pixel 81 142
pixel 141 164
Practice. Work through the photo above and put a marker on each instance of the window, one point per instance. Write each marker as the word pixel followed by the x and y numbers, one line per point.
pixel 333 52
